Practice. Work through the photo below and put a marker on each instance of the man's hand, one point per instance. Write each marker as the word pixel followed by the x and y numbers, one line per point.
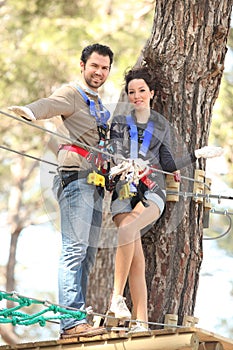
pixel 23 112
pixel 209 152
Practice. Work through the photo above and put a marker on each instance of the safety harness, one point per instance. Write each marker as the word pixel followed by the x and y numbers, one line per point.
pixel 133 131
pixel 99 161
pixel 126 189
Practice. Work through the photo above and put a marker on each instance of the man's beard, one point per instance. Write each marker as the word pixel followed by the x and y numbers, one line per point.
pixel 91 82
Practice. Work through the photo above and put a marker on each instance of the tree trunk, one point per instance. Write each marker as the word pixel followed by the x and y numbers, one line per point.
pixel 14 205
pixel 186 54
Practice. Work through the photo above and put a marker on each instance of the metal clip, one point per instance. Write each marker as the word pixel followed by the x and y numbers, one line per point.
pixel 96 179
pixel 125 192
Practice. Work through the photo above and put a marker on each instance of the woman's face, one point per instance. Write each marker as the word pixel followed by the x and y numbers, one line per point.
pixel 139 94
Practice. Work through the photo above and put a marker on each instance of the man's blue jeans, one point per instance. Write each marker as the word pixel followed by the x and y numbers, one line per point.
pixel 81 218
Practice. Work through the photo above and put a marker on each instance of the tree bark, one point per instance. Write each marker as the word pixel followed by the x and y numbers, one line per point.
pixel 185 54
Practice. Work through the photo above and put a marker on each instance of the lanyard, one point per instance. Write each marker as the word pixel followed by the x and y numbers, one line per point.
pixel 133 131
pixel 102 115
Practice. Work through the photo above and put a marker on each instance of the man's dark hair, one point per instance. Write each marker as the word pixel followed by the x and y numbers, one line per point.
pixel 100 49
pixel 139 73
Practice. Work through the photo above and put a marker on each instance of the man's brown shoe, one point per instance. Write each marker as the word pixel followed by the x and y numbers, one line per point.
pixel 83 330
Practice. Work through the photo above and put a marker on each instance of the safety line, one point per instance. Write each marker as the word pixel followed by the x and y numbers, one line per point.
pixel 44 302
pixel 77 143
pixel 140 321
pixel 80 144
pixel 184 194
pixel 88 310
pixel 221 212
pixel 27 155
pixel 224 233
pixel 199 195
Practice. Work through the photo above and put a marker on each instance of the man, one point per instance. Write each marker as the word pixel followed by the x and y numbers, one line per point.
pixel 80 202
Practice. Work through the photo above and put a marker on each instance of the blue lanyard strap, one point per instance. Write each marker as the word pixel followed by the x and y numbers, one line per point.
pixel 133 131
pixel 102 115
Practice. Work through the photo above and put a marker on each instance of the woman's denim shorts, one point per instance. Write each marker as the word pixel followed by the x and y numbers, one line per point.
pixel 119 206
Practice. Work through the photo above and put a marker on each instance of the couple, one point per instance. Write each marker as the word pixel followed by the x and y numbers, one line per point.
pixel 143 134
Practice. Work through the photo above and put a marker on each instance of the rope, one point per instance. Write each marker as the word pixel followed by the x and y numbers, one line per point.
pixel 73 141
pixel 140 321
pixel 95 149
pixel 13 316
pixel 27 155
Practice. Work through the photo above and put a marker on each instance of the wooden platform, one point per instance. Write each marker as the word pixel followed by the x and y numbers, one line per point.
pixel 165 339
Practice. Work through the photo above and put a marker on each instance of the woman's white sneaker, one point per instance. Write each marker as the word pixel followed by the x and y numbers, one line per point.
pixel 138 328
pixel 119 307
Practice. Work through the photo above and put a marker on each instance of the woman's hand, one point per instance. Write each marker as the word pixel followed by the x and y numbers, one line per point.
pixel 209 152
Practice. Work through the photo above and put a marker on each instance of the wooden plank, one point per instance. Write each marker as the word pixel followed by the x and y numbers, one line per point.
pixel 164 339
pixel 185 341
pixel 213 346
pixel 206 336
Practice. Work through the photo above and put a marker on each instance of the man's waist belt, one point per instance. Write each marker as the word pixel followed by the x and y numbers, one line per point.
pixel 92 157
pixel 93 177
pixel 73 148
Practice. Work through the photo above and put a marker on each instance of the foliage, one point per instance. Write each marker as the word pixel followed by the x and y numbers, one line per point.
pixel 222 135
pixel 40 48
pixel 222 124
pixel 41 42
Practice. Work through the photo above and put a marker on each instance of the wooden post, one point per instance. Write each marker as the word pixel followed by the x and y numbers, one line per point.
pixel 207 190
pixel 198 187
pixel 189 321
pixel 98 321
pixel 172 185
pixel 111 321
pixel 207 203
pixel 170 320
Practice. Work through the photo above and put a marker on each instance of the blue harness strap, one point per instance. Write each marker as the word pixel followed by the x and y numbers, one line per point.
pixel 133 131
pixel 102 115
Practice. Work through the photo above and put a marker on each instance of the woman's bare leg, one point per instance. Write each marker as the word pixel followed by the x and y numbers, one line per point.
pixel 129 226
pixel 137 283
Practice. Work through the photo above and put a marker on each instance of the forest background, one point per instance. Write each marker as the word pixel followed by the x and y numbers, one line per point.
pixel 41 42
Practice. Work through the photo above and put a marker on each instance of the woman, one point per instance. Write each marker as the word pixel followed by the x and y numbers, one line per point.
pixel 143 134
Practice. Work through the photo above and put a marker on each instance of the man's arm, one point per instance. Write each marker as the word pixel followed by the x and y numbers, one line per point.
pixel 61 102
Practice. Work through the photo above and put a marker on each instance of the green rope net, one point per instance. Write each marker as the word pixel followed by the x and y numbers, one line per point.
pixel 52 311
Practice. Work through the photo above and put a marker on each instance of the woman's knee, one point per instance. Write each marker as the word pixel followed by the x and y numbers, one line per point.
pixel 127 234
